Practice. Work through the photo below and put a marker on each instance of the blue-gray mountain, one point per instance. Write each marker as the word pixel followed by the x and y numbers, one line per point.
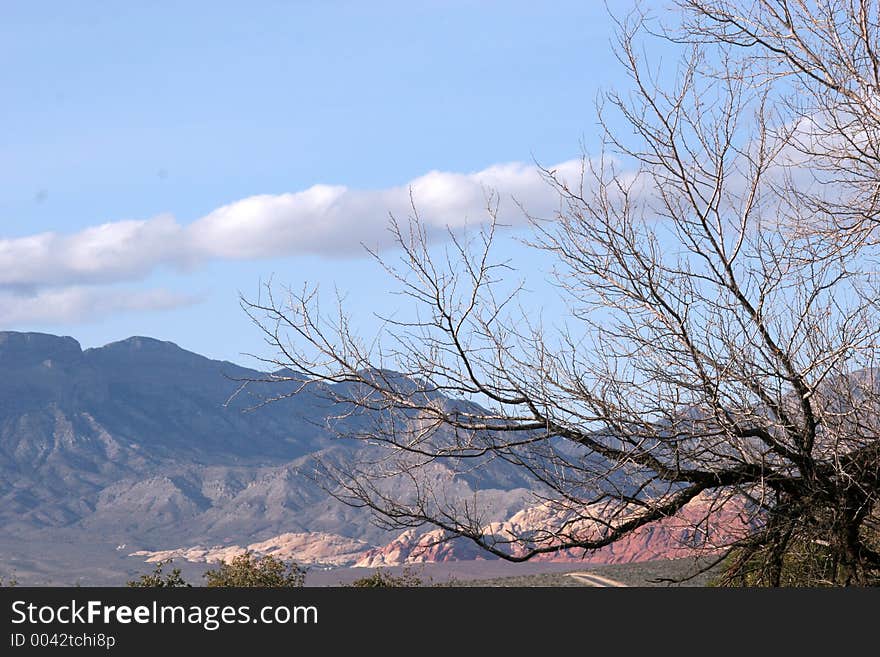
pixel 144 444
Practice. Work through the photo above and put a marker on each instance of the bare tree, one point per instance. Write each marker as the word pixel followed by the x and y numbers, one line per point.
pixel 710 353
pixel 823 56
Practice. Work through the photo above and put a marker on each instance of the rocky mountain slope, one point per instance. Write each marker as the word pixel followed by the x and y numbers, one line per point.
pixel 307 549
pixel 144 445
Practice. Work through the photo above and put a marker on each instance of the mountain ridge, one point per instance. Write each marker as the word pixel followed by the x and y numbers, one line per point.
pixel 146 444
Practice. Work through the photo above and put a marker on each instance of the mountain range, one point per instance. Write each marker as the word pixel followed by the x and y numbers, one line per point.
pixel 140 450
pixel 145 445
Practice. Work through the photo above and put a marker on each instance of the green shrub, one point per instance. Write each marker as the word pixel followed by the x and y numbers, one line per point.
pixel 247 570
pixel 160 579
pixel 382 578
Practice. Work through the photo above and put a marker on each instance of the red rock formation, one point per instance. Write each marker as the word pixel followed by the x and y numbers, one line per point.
pixel 684 535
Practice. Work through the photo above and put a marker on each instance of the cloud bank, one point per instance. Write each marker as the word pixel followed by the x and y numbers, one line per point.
pixel 59 277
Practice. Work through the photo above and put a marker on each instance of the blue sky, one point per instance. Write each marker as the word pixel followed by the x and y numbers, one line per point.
pixel 222 143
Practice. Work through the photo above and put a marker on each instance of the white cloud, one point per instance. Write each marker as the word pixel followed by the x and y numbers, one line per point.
pixel 81 304
pixel 54 278
pixel 323 219
pixel 59 278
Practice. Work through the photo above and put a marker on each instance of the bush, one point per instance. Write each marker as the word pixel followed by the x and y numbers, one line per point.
pixel 246 570
pixel 160 579
pixel 9 581
pixel 382 578
pixel 807 561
